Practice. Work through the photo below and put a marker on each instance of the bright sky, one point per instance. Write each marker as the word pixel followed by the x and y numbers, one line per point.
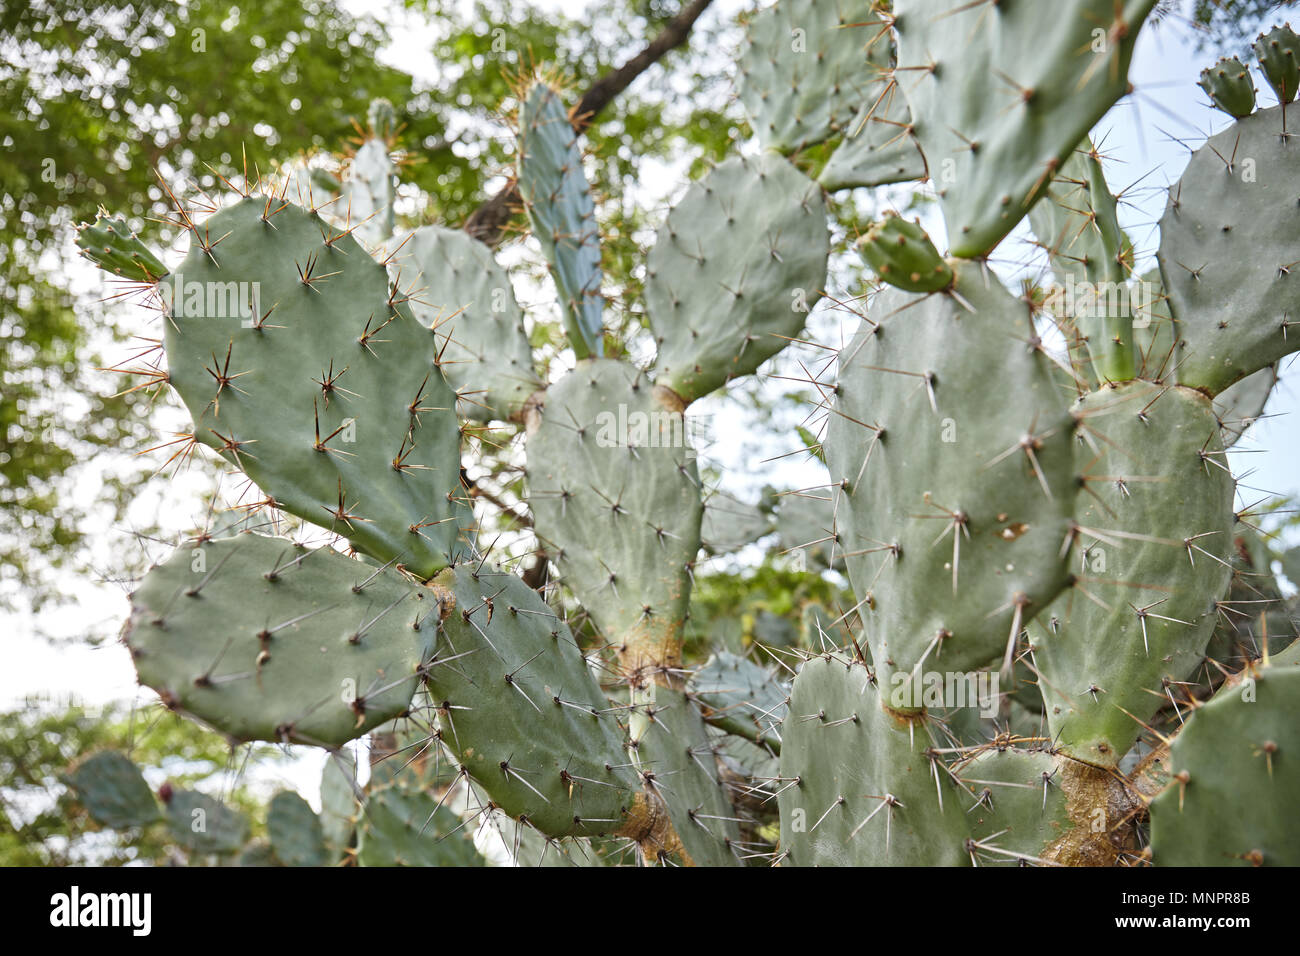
pixel 1165 70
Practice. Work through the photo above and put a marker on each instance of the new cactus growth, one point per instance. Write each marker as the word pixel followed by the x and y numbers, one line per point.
pixel 903 255
pixel 1279 58
pixel 1229 87
pixel 1049 516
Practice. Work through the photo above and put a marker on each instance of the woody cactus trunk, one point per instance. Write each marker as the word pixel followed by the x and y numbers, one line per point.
pixel 1031 487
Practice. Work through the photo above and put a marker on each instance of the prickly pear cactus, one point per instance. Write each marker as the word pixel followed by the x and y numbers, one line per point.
pixel 1055 649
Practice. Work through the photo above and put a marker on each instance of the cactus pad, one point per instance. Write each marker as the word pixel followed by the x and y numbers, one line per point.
pixel 951 450
pixel 1229 87
pixel 811 69
pixel 1235 773
pixel 330 397
pixel 869 792
pixel 402 826
pixel 902 254
pixel 1150 563
pixel 1017 807
pixel 563 214
pixel 672 746
pixel 1279 57
pixel 113 791
pixel 203 824
pixel 295 831
pixel 467 296
pixel 734 272
pixel 110 244
pixel 1229 243
pixel 517 703
pixel 615 496
pixel 1001 93
pixel 266 640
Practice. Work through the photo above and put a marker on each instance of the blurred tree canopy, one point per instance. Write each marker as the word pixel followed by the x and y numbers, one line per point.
pixel 41 822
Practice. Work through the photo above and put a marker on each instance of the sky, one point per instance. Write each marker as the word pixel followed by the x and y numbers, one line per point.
pixel 1141 139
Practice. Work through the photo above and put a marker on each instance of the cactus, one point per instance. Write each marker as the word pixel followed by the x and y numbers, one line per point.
pixel 555 192
pixel 1046 75
pixel 109 243
pixel 485 354
pixel 903 255
pixel 1279 58
pixel 1233 778
pixel 1228 244
pixel 269 641
pixel 1229 87
pixel 296 834
pixel 204 824
pixel 113 790
pixel 734 271
pixel 1053 521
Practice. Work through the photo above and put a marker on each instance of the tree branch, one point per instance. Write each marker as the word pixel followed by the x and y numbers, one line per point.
pixel 487 223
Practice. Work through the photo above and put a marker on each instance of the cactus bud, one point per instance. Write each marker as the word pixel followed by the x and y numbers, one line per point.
pixel 903 255
pixel 1229 87
pixel 111 245
pixel 1279 58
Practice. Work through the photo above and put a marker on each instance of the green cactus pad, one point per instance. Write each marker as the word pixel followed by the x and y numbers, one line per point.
pixel 877 149
pixel 615 495
pixel 868 791
pixel 113 791
pixel 1017 807
pixel 266 640
pixel 741 697
pixel 369 183
pixel 563 214
pixel 1279 57
pixel 338 801
pixel 1241 404
pixel 525 846
pixel 402 826
pixel 1154 334
pixel 1001 93
pixel 1236 771
pixel 109 243
pixel 1150 564
pixel 1229 87
pixel 950 447
pixel 295 831
pixel 203 824
pixel 329 398
pixel 1290 657
pixel 467 296
pixel 734 272
pixel 1077 223
pixel 814 70
pixel 1229 242
pixel 517 703
pixel 671 744
pixel 902 254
